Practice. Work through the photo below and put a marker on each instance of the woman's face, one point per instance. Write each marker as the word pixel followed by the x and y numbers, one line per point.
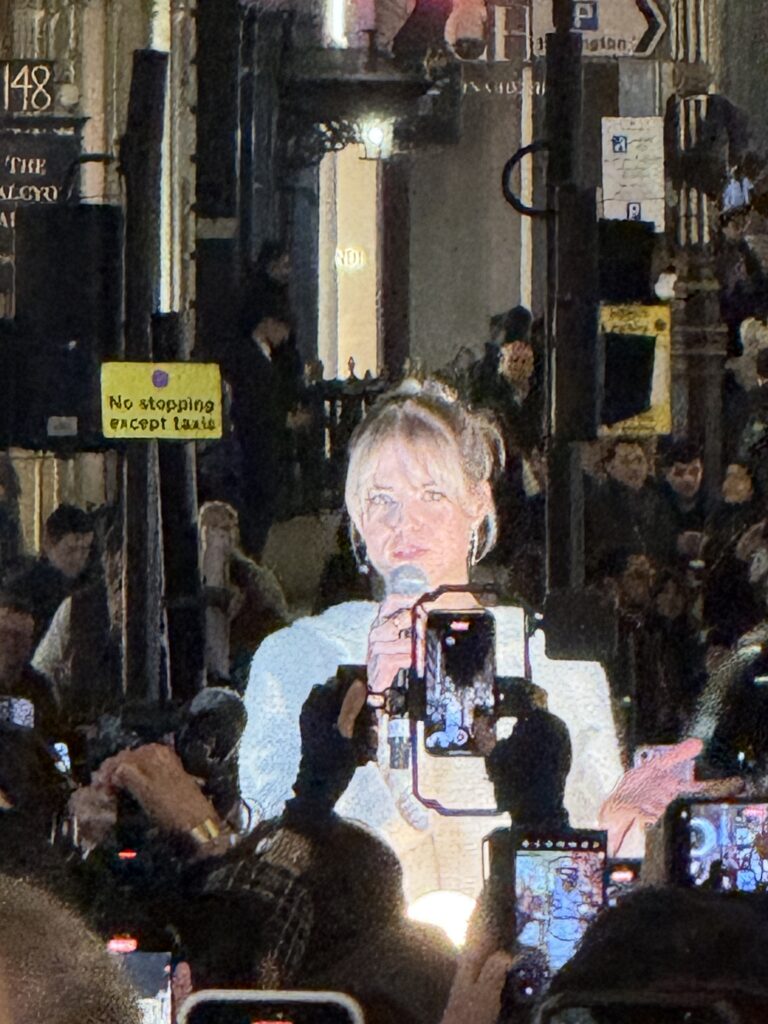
pixel 414 515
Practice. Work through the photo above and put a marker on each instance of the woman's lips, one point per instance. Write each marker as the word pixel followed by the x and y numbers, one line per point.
pixel 408 554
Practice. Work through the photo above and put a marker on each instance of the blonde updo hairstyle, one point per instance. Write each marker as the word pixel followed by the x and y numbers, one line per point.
pixel 417 412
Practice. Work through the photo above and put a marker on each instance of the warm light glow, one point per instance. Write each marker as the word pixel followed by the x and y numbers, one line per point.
pixel 122 944
pixel 445 909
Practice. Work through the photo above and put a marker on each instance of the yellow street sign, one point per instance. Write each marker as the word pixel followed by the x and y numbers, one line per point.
pixel 165 401
pixel 651 322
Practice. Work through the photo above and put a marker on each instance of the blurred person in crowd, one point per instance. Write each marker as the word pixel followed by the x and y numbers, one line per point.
pixel 18 679
pixel 52 968
pixel 246 602
pixel 60 569
pixel 625 512
pixel 753 445
pixel 11 541
pixel 681 489
pixel 33 792
pixel 665 947
pixel 730 603
pixel 343 578
pixel 265 285
pixel 670 661
pixel 309 899
pixel 732 712
pixel 80 653
pixel 265 389
pixel 507 381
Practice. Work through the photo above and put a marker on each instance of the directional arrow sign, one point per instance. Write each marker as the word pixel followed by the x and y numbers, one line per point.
pixel 609 28
pixel 657 26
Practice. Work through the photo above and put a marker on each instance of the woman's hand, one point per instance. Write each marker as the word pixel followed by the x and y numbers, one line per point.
pixel 389 643
pixel 643 794
pixel 156 779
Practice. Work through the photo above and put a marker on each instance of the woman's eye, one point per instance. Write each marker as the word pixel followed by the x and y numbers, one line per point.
pixel 380 499
pixel 434 496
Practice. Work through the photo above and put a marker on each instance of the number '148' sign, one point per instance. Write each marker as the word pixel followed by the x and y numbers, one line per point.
pixel 27 87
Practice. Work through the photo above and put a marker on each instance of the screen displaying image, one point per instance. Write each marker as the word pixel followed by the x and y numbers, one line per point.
pixel 559 893
pixel 150 973
pixel 459 673
pixel 728 845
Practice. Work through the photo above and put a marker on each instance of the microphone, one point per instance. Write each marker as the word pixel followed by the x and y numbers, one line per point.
pixel 410 581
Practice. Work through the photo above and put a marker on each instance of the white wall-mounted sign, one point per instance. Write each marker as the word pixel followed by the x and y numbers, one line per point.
pixel 633 169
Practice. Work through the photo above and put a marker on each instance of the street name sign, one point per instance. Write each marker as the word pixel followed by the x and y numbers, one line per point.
pixel 609 28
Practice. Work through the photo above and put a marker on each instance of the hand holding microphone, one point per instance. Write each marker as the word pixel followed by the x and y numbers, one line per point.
pixel 390 641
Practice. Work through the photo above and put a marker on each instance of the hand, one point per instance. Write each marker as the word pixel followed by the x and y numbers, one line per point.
pixel 94 810
pixel 643 794
pixel 156 779
pixel 480 976
pixel 389 643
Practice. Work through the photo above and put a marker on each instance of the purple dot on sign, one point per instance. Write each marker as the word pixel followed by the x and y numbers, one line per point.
pixel 160 379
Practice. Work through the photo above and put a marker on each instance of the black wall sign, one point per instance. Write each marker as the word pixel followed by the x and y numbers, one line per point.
pixel 35 168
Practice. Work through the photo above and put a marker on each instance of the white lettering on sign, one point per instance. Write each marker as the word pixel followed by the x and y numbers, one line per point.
pixel 633 169
pixel 351 257
pixel 29 193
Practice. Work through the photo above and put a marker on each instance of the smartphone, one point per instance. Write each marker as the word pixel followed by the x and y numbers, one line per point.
pixel 244 1006
pixel 150 975
pixel 549 887
pixel 718 844
pixel 459 679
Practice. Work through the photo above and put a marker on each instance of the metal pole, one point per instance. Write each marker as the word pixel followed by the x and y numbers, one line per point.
pixel 178 496
pixel 141 163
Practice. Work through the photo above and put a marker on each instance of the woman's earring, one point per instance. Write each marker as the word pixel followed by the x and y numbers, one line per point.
pixel 361 558
pixel 473 548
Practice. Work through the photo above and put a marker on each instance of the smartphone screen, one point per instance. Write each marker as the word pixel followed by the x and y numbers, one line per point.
pixel 150 974
pixel 559 891
pixel 726 845
pixel 248 1007
pixel 459 672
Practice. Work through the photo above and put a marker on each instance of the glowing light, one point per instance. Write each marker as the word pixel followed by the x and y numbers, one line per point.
pixel 336 22
pixel 445 909
pixel 122 944
pixel 375 134
pixel 127 855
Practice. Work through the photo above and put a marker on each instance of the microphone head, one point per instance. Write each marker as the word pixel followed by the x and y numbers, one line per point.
pixel 408 580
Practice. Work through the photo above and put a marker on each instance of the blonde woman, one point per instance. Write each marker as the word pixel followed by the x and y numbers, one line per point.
pixel 418 492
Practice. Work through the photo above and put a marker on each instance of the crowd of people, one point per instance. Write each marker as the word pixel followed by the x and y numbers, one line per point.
pixel 263 832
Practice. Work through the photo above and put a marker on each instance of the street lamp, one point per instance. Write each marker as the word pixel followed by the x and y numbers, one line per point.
pixel 376 136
